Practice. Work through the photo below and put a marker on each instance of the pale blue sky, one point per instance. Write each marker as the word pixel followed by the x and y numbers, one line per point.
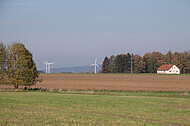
pixel 75 32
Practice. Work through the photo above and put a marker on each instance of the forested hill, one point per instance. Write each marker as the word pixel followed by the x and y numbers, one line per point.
pixel 149 63
pixel 78 69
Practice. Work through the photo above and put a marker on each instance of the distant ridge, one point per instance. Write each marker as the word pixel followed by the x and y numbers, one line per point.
pixel 78 69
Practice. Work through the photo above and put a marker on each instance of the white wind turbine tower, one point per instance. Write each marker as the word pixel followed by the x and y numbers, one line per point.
pixel 95 65
pixel 48 66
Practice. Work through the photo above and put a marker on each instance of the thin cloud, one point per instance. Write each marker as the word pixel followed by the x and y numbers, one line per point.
pixel 9 23
pixel 18 4
pixel 119 20
pixel 35 11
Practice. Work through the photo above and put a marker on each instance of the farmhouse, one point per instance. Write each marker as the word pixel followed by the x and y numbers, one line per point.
pixel 168 69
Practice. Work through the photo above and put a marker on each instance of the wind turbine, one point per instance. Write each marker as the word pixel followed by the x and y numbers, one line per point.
pixel 95 65
pixel 48 66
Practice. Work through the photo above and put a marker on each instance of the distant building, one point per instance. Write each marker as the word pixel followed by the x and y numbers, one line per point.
pixel 168 69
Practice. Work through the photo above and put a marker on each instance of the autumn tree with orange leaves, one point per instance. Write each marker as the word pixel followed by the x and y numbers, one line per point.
pixel 149 63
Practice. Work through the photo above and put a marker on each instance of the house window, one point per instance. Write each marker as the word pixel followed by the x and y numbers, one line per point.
pixel 170 71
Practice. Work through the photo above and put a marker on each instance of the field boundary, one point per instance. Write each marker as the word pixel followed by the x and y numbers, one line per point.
pixel 118 73
pixel 123 93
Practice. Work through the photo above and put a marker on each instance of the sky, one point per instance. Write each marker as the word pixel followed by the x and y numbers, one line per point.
pixel 75 32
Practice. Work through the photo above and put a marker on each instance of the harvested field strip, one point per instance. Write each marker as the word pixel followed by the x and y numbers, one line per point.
pixel 133 82
pixel 116 82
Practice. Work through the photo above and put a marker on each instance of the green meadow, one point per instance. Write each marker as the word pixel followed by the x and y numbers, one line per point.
pixel 46 108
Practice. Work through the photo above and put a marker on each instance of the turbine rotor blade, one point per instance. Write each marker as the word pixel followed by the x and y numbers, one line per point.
pixel 44 62
pixel 51 63
pixel 92 65
pixel 98 66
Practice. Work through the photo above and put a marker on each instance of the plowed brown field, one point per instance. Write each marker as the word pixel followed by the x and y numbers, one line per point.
pixel 116 82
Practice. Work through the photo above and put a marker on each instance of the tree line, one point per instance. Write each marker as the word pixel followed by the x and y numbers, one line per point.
pixel 149 63
pixel 17 66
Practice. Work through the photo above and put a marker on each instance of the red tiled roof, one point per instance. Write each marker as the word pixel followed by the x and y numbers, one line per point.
pixel 165 67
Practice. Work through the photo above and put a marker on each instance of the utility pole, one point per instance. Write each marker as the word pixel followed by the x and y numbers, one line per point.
pixel 131 63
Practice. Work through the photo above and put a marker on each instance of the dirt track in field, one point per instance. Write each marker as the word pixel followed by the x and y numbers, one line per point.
pixel 116 82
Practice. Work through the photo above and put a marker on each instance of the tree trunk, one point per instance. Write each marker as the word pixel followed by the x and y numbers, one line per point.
pixel 16 86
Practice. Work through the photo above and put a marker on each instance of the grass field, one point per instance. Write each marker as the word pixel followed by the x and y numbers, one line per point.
pixel 99 99
pixel 45 108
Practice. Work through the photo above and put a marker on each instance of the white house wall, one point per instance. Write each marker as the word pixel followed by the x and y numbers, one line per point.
pixel 161 72
pixel 172 70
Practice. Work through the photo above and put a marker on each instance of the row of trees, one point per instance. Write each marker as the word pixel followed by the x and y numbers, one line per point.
pixel 149 63
pixel 17 66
